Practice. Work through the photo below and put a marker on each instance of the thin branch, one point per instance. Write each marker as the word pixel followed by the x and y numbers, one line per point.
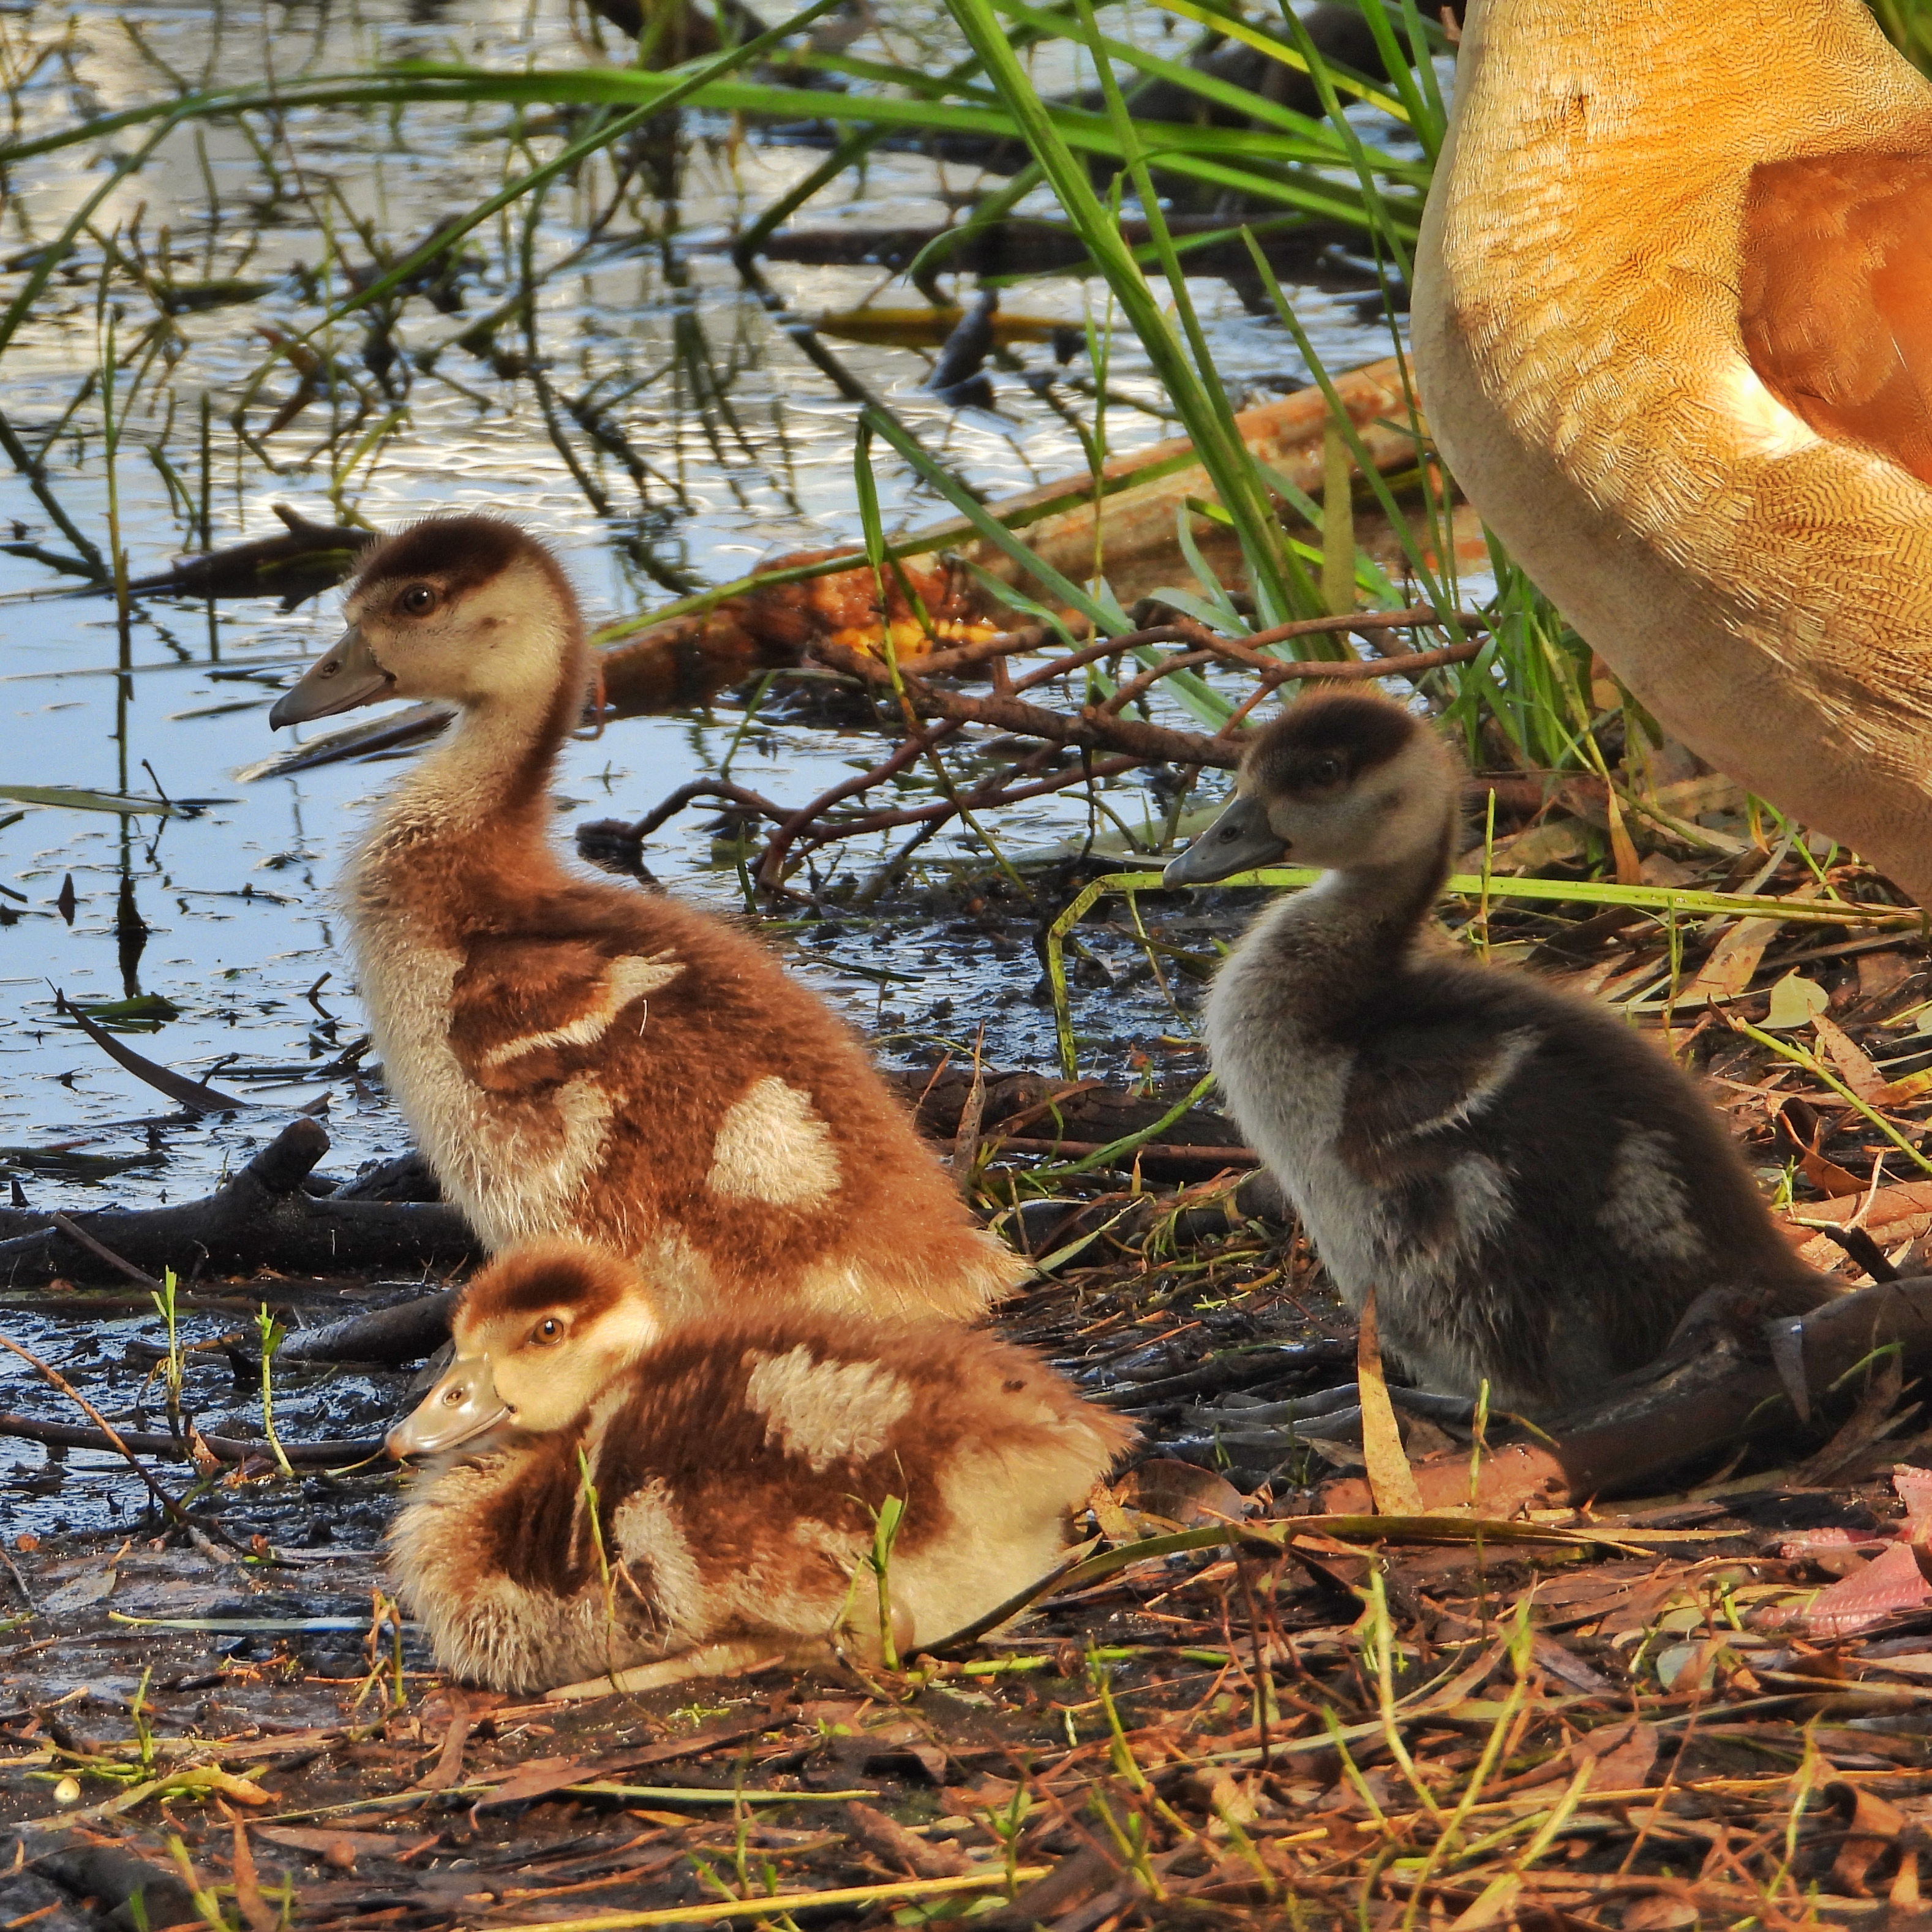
pixel 170 1504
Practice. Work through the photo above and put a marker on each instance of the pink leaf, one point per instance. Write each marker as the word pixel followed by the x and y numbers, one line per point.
pixel 1804 1542
pixel 1890 1581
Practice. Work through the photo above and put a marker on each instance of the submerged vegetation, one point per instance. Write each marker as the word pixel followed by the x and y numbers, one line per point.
pixel 702 295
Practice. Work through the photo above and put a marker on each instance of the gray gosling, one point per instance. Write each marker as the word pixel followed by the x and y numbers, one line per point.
pixel 600 1496
pixel 1536 1195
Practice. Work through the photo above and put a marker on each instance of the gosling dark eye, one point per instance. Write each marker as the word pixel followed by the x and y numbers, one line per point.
pixel 1325 771
pixel 418 600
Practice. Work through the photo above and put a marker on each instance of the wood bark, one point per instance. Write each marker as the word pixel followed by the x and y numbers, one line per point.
pixel 261 1218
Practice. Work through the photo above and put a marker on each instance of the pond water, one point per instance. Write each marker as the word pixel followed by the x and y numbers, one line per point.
pixel 749 450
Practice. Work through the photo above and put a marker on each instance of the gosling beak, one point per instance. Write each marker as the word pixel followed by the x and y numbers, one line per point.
pixel 463 1404
pixel 346 677
pixel 1240 839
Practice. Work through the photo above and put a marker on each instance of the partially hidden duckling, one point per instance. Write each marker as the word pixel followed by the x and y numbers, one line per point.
pixel 1536 1195
pixel 576 1056
pixel 709 1498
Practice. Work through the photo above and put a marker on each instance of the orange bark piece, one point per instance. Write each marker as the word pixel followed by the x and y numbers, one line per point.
pixel 1836 297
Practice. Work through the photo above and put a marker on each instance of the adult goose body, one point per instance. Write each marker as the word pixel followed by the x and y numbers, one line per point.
pixel 1536 1195
pixel 1672 328
pixel 577 1056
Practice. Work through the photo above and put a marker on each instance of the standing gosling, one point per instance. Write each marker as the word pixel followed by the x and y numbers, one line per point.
pixel 578 1057
pixel 738 1466
pixel 1535 1194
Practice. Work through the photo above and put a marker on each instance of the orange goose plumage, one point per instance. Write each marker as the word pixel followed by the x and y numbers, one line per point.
pixel 576 1056
pixel 1672 329
pixel 739 1467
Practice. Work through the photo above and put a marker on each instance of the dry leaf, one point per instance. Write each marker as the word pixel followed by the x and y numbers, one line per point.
pixel 1896 1093
pixel 537 1777
pixel 1629 868
pixel 1391 1481
pixel 254 1908
pixel 1891 1581
pixel 1181 1493
pixel 1733 962
pixel 1625 1753
pixel 1795 1001
pixel 1116 1525
pixel 1831 1180
pixel 1844 1052
pixel 1735 959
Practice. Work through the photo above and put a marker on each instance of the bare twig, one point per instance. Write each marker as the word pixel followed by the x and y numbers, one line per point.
pixel 717 788
pixel 75 1232
pixel 773 859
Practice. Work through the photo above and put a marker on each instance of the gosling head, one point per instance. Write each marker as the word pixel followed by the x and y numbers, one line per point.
pixel 1347 782
pixel 469 610
pixel 539 1335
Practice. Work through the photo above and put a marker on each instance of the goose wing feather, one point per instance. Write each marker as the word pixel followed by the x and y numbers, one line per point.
pixel 1414 1083
pixel 1836 297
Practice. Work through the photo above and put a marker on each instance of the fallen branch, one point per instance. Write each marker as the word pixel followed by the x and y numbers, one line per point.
pixel 75 1232
pixel 1129 517
pixel 404 1332
pixel 150 1442
pixel 260 1218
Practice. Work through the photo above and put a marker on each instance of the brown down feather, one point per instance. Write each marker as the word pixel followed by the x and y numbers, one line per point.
pixel 578 1056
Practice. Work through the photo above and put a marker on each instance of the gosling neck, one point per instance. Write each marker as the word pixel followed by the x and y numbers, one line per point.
pixel 1356 925
pixel 485 787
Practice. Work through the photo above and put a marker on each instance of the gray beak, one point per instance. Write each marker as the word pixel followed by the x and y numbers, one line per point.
pixel 463 1406
pixel 1240 840
pixel 347 676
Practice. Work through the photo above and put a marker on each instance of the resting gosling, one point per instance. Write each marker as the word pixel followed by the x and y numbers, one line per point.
pixel 1536 1195
pixel 578 1057
pixel 737 1466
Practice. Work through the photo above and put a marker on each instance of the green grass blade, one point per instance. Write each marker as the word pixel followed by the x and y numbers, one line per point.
pixel 1236 28
pixel 1105 615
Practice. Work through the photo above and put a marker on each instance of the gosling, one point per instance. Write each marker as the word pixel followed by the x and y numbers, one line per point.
pixel 1536 1195
pixel 574 1056
pixel 600 1497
